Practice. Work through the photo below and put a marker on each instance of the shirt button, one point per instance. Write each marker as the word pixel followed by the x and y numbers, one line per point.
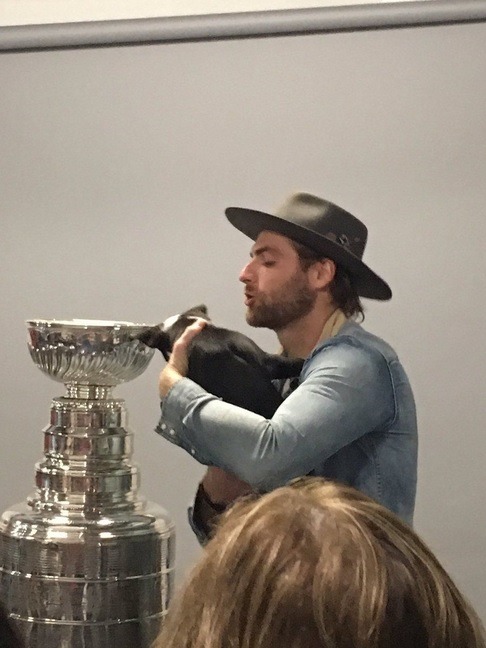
pixel 172 432
pixel 193 452
pixel 163 426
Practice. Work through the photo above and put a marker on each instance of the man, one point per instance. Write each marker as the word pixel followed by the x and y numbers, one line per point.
pixel 351 418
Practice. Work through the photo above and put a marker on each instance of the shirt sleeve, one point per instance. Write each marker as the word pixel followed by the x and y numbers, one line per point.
pixel 345 392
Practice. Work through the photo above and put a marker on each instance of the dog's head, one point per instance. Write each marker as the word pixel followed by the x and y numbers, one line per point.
pixel 163 336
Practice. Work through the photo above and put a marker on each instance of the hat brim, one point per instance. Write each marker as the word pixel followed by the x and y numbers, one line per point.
pixel 367 283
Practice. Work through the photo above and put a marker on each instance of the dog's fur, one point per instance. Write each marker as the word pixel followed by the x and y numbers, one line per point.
pixel 226 363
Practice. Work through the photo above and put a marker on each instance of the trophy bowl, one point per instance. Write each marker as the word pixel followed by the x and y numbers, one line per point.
pixel 88 352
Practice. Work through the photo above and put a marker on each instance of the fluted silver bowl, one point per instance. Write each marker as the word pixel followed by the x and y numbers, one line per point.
pixel 88 352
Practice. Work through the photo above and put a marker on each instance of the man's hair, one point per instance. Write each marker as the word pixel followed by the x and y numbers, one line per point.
pixel 318 565
pixel 343 292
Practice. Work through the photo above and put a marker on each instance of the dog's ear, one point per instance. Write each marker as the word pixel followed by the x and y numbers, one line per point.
pixel 198 311
pixel 156 338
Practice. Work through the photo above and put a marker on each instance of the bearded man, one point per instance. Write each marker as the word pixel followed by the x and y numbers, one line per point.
pixel 351 418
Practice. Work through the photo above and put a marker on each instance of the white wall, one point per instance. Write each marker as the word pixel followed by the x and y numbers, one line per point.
pixel 32 12
pixel 115 169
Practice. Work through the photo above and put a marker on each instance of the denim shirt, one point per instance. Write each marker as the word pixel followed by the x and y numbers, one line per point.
pixel 352 419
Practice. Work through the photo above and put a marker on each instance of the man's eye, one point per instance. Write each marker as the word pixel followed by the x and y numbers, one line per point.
pixel 268 264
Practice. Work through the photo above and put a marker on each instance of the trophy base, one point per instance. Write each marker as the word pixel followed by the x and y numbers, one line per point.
pixel 80 581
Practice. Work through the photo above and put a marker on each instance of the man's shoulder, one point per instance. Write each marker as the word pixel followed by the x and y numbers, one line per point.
pixel 354 339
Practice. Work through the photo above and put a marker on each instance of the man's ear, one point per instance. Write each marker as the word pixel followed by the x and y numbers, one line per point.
pixel 321 273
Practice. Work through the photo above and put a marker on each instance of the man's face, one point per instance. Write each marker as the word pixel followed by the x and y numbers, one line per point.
pixel 277 290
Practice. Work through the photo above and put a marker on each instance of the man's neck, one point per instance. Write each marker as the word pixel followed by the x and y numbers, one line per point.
pixel 300 337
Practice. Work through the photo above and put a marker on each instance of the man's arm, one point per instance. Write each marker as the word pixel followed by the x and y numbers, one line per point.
pixel 346 392
pixel 216 492
pixel 222 488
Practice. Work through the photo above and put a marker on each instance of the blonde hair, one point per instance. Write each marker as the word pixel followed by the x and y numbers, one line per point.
pixel 318 565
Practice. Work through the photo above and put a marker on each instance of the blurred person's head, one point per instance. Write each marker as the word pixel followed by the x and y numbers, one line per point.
pixel 318 565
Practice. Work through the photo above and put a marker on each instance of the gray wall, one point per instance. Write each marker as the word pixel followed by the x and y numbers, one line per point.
pixel 115 168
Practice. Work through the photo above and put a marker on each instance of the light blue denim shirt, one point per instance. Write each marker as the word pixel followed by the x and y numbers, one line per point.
pixel 351 419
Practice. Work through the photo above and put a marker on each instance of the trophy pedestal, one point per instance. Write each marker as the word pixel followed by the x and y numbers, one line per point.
pixel 86 562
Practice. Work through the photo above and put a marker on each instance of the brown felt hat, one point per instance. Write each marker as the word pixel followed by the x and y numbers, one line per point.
pixel 322 226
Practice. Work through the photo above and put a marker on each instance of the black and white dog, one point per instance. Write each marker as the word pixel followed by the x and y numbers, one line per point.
pixel 226 363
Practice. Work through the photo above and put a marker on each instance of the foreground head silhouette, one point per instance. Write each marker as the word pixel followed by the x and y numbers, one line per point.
pixel 318 565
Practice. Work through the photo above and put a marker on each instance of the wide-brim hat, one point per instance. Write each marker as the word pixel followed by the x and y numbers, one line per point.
pixel 325 228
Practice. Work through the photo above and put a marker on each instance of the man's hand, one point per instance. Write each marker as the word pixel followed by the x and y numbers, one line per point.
pixel 176 368
pixel 222 487
pixel 217 491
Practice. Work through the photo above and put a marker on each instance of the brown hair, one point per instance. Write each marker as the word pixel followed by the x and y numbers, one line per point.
pixel 343 293
pixel 318 565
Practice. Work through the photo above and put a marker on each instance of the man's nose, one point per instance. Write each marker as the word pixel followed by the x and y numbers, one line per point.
pixel 245 274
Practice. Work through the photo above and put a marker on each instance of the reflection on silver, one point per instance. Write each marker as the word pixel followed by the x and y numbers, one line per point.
pixel 86 562
pixel 88 352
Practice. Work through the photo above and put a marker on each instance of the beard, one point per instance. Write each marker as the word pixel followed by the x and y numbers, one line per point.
pixel 293 300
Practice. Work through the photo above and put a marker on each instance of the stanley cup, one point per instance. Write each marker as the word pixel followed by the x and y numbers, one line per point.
pixel 85 562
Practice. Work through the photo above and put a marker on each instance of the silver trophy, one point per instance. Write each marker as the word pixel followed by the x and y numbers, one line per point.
pixel 85 561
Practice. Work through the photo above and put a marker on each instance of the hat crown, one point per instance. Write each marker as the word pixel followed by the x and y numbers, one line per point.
pixel 325 219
